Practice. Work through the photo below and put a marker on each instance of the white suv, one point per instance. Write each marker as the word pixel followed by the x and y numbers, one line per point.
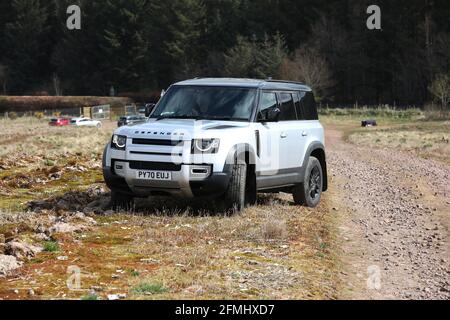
pixel 223 139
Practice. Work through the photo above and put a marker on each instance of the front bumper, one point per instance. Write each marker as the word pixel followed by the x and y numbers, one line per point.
pixel 189 182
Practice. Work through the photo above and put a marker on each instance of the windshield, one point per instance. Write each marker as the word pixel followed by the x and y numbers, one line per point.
pixel 208 103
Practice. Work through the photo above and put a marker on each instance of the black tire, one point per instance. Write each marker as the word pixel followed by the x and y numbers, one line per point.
pixel 235 195
pixel 121 201
pixel 251 193
pixel 309 192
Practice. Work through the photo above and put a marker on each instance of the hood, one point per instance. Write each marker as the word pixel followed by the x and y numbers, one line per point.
pixel 170 128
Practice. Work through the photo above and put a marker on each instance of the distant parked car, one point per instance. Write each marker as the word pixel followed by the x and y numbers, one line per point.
pixel 369 123
pixel 86 122
pixel 130 120
pixel 59 122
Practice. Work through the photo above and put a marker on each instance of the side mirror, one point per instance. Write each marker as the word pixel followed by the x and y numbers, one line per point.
pixel 149 109
pixel 271 115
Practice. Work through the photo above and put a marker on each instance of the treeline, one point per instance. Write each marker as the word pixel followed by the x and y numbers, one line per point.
pixel 144 45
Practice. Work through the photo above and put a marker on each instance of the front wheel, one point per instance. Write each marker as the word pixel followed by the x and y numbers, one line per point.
pixel 309 192
pixel 235 195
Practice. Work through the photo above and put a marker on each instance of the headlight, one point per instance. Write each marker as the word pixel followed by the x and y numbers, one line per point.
pixel 119 142
pixel 205 146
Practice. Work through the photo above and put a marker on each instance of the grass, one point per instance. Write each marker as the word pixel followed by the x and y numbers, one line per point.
pixel 146 288
pixel 384 112
pixel 422 133
pixel 51 246
pixel 90 297
pixel 270 251
pixel 135 273
pixel 427 139
pixel 31 151
pixel 30 137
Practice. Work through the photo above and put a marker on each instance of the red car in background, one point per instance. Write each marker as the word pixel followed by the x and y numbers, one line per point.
pixel 59 122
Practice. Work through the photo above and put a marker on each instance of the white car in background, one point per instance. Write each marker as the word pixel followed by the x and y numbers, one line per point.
pixel 85 122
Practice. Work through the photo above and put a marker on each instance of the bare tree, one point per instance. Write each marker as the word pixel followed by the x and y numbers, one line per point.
pixel 308 66
pixel 57 85
pixel 440 89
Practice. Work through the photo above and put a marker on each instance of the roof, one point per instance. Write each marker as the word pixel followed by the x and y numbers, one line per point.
pixel 245 83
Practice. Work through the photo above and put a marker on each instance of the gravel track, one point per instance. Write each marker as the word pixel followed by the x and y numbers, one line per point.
pixel 394 211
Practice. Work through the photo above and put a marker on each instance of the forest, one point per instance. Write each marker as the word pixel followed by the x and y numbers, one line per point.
pixel 139 46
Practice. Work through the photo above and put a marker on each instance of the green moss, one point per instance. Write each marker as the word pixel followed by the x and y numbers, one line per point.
pixel 51 246
pixel 146 288
pixel 49 162
pixel 135 273
pixel 89 297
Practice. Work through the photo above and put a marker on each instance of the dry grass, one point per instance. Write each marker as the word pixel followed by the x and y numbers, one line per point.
pixel 426 139
pixel 166 249
pixel 28 137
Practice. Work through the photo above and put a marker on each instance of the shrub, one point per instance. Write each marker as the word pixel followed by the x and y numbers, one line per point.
pixel 51 246
pixel 12 115
pixel 39 115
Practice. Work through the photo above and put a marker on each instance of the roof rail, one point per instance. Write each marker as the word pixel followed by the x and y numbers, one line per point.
pixel 285 81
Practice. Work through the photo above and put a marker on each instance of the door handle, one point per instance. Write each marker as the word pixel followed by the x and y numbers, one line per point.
pixel 283 135
pixel 304 134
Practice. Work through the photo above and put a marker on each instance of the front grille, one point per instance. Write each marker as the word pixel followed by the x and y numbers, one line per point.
pixel 162 166
pixel 157 142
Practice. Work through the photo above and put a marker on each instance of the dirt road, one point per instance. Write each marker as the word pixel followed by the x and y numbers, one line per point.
pixel 394 212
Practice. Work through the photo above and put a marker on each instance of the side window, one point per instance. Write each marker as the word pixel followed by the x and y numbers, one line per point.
pixel 268 101
pixel 298 96
pixel 287 107
pixel 309 107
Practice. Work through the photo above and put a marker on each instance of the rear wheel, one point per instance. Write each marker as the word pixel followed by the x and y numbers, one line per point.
pixel 235 195
pixel 121 201
pixel 309 192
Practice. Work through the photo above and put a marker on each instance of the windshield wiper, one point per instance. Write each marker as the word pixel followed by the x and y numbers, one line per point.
pixel 227 118
pixel 179 117
pixel 201 118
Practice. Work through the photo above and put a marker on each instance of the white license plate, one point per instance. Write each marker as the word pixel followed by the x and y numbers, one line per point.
pixel 154 175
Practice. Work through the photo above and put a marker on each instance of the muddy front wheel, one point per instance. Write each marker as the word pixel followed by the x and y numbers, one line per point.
pixel 235 195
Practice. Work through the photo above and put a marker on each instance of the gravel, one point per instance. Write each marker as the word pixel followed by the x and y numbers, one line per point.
pixel 396 215
pixel 8 264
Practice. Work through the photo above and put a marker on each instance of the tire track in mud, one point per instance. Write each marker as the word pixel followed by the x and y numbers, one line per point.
pixel 394 222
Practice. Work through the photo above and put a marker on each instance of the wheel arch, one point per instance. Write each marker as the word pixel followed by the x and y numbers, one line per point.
pixel 242 151
pixel 317 150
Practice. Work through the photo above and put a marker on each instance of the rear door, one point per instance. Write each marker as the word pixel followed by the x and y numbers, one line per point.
pixel 292 135
pixel 311 129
